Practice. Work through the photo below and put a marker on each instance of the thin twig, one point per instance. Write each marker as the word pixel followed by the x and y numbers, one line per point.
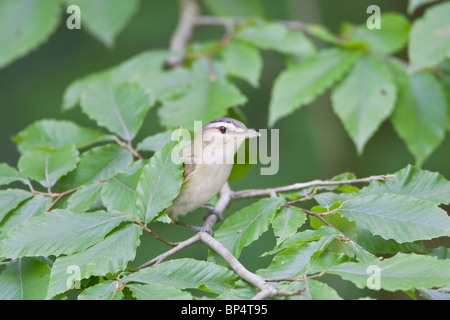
pixel 254 193
pixel 160 258
pixel 189 11
pixel 321 218
pixel 296 279
pixel 305 198
pixel 172 244
pixel 226 22
pixel 129 147
pixel 61 195
pixel 296 25
pixel 210 53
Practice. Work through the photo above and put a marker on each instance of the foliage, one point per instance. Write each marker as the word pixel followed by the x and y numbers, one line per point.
pixel 97 195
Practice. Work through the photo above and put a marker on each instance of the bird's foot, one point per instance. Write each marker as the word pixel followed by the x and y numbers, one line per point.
pixel 212 210
pixel 195 228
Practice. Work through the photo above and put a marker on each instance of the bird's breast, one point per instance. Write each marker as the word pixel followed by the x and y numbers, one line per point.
pixel 203 183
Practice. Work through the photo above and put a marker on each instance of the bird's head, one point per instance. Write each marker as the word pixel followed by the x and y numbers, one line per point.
pixel 221 138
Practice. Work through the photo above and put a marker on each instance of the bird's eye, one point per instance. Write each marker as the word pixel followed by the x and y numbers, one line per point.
pixel 223 129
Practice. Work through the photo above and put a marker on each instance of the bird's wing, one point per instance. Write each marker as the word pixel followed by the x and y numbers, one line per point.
pixel 188 159
pixel 188 169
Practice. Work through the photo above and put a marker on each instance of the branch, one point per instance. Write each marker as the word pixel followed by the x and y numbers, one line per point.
pixel 267 290
pixel 143 226
pixel 226 197
pixel 254 193
pixel 189 11
pixel 296 25
pixel 237 267
pixel 226 22
pixel 296 279
pixel 129 147
pixel 160 258
pixel 59 196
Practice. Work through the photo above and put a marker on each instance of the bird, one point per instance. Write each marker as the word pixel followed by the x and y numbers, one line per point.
pixel 207 163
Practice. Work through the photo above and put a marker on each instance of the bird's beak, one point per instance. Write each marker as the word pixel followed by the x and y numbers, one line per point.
pixel 250 133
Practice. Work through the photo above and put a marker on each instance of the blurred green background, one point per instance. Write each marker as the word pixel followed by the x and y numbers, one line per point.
pixel 313 143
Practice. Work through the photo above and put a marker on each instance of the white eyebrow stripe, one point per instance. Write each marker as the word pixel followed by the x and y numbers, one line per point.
pixel 220 124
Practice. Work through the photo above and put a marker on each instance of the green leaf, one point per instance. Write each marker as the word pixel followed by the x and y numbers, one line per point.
pixel 439 252
pixel 98 163
pixel 55 134
pixel 241 290
pixel 159 184
pixel 24 279
pixel 420 116
pixel 157 291
pixel 119 193
pixel 344 225
pixel 186 273
pixel 413 182
pixel 414 4
pixel 364 99
pixel 286 222
pixel 243 61
pixel 25 25
pixel 104 19
pixel 9 174
pixel 300 84
pixel 102 291
pixel 390 38
pixel 245 226
pixel 235 8
pixel 110 255
pixel 46 165
pixel 304 236
pixel 397 217
pixel 275 36
pixel 401 272
pixel 290 262
pixel 34 206
pixel 59 232
pixel 10 199
pixel 155 142
pixel 321 32
pixel 435 294
pixel 360 253
pixel 313 290
pixel 120 109
pixel 146 68
pixel 85 197
pixel 206 100
pixel 376 244
pixel 429 38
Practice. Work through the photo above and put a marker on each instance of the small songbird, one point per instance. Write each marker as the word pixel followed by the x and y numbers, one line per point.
pixel 208 161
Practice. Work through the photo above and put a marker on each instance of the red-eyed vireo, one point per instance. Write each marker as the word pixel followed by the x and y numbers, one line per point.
pixel 208 161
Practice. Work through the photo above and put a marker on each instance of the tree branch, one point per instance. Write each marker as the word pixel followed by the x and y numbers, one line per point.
pixel 143 226
pixel 129 147
pixel 296 279
pixel 237 267
pixel 226 197
pixel 189 11
pixel 60 196
pixel 160 258
pixel 254 193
